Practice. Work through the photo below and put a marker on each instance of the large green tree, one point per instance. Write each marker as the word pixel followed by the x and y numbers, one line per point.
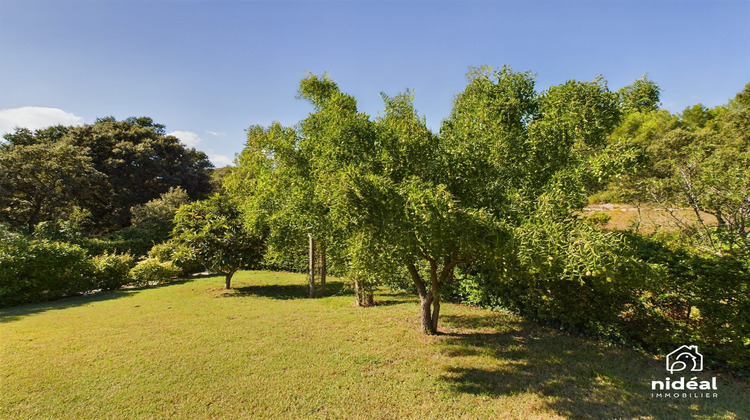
pixel 698 160
pixel 43 182
pixel 397 200
pixel 140 162
pixel 705 165
pixel 138 159
pixel 288 177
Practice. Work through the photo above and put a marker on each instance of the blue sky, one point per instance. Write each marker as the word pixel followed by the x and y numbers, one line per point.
pixel 210 69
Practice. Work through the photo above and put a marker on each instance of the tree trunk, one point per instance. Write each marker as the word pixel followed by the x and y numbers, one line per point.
pixel 429 326
pixel 429 291
pixel 228 280
pixel 435 312
pixel 362 293
pixel 323 269
pixel 311 285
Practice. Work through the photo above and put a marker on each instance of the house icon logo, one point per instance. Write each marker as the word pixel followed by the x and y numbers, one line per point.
pixel 685 358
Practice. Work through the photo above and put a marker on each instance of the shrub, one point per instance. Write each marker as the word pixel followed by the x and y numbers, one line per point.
pixel 160 211
pixel 167 252
pixel 36 270
pixel 702 299
pixel 150 271
pixel 59 231
pixel 112 271
pixel 573 274
pixel 657 292
pixel 134 241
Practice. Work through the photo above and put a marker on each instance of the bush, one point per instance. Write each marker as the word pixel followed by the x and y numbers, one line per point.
pixel 150 271
pixel 112 271
pixel 58 231
pixel 159 212
pixel 165 252
pixel 37 270
pixel 573 274
pixel 702 299
pixel 656 292
pixel 134 241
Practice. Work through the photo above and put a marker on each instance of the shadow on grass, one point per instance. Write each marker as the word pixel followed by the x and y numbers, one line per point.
pixel 575 377
pixel 285 291
pixel 15 313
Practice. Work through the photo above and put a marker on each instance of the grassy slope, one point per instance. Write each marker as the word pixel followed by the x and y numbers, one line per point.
pixel 191 350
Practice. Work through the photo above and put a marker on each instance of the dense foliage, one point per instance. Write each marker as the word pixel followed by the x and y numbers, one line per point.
pixel 151 271
pixel 103 169
pixel 37 270
pixel 487 211
pixel 389 198
pixel 211 232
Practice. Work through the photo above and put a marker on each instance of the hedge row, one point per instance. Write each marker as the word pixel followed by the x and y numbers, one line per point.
pixel 654 295
pixel 38 270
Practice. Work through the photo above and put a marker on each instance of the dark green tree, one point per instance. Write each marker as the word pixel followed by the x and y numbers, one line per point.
pixel 43 181
pixel 140 162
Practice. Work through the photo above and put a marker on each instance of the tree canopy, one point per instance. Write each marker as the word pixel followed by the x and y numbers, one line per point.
pixel 394 199
pixel 211 232
pixel 107 167
pixel 43 182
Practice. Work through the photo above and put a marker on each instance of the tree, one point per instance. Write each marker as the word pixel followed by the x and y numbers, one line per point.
pixel 211 232
pixel 158 214
pixel 396 200
pixel 506 154
pixel 641 96
pixel 43 181
pixel 277 192
pixel 138 160
pixel 287 177
pixel 704 164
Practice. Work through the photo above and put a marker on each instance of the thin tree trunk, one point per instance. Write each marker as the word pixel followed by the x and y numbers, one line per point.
pixel 369 300
pixel 425 301
pixel 359 292
pixel 323 269
pixel 435 312
pixel 228 280
pixel 311 285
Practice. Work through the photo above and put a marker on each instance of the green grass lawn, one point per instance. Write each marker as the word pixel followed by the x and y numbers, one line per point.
pixel 191 350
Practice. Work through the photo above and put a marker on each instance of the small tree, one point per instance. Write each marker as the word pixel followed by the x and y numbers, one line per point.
pixel 211 232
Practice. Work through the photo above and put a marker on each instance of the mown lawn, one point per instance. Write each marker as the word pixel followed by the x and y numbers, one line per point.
pixel 191 350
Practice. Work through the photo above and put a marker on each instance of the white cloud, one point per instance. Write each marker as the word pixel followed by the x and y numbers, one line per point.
pixel 219 161
pixel 34 118
pixel 216 133
pixel 189 138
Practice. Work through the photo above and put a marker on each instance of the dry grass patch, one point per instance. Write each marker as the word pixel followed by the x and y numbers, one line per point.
pixel 625 216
